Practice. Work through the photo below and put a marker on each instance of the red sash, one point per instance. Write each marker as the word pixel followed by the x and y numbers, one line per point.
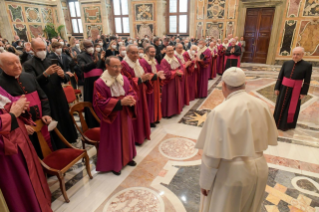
pixel 93 73
pixel 296 85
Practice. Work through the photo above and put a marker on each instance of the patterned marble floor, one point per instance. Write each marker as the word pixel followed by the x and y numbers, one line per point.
pixel 167 171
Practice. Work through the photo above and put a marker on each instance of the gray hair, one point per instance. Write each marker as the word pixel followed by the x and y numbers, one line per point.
pixel 10 53
pixel 128 48
pixel 232 40
pixel 147 49
pixel 155 39
pixel 177 44
pixel 299 47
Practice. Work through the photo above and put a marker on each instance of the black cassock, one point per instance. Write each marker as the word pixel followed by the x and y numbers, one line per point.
pixel 58 103
pixel 301 70
pixel 27 84
pixel 86 64
pixel 234 58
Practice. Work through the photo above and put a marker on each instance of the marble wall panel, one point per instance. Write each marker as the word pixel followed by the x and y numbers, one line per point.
pixel 92 14
pixel 200 8
pixel 215 9
pixel 231 10
pixel 67 19
pixel 47 15
pixel 32 14
pixel 56 16
pixel 230 26
pixel 144 29
pixel 21 31
pixel 293 8
pixel 311 8
pixel 94 31
pixel 36 30
pixel 287 38
pixel 308 37
pixel 15 12
pixel 199 29
pixel 215 30
pixel 144 12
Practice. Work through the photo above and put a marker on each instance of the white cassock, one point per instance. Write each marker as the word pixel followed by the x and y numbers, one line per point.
pixel 233 167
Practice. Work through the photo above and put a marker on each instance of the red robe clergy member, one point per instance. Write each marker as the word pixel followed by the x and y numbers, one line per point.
pixel 179 51
pixel 114 102
pixel 192 71
pixel 153 99
pixel 172 96
pixel 214 51
pixel 22 180
pixel 204 59
pixel 139 79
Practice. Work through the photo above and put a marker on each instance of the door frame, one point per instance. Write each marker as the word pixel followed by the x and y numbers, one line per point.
pixel 279 6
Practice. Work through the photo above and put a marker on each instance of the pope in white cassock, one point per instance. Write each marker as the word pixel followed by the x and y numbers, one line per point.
pixel 234 171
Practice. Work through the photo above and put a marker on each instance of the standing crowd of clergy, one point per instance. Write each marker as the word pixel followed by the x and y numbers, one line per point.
pixel 131 84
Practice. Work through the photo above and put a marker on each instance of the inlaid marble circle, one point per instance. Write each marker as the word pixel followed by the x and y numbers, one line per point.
pixel 178 148
pixel 138 199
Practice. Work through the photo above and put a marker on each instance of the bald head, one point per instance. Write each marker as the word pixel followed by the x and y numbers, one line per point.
pixel 212 44
pixel 10 64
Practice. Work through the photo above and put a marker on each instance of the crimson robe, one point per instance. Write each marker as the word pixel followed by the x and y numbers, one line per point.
pixel 192 74
pixel 153 99
pixel 172 95
pixel 204 73
pixel 220 59
pixel 184 82
pixel 22 180
pixel 141 125
pixel 117 146
pixel 214 65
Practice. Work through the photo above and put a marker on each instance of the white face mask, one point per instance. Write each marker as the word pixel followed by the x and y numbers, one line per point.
pixel 31 52
pixel 58 51
pixel 120 43
pixel 98 49
pixel 114 46
pixel 1 49
pixel 90 50
pixel 193 52
pixel 123 53
pixel 77 45
pixel 141 54
pixel 161 42
pixel 200 46
pixel 62 43
pixel 130 41
pixel 41 54
pixel 101 44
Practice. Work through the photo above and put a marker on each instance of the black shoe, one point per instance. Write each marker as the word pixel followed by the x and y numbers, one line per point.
pixel 117 173
pixel 157 122
pixel 132 163
pixel 153 125
pixel 137 144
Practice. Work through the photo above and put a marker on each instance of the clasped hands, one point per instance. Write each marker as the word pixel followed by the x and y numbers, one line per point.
pixel 128 101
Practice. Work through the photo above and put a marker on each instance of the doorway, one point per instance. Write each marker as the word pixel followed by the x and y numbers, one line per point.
pixel 257 32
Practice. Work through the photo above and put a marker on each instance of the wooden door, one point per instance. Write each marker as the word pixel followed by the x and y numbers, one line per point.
pixel 257 34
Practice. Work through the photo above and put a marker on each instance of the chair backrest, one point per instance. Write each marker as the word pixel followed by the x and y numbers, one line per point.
pixel 79 109
pixel 43 143
pixel 44 146
pixel 69 93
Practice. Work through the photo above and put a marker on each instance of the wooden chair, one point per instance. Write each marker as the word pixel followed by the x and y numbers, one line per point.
pixel 89 136
pixel 60 161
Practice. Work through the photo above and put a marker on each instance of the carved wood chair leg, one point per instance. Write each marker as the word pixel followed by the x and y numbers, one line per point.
pixel 87 164
pixel 83 146
pixel 62 187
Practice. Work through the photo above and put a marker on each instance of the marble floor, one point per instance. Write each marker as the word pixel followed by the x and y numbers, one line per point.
pixel 167 171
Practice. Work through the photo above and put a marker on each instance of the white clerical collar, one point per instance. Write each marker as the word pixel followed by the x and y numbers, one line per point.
pixel 110 80
pixel 3 101
pixel 136 66
pixel 235 93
